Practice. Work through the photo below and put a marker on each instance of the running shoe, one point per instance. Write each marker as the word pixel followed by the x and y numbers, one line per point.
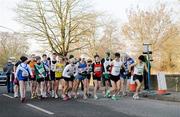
pixel 65 98
pixel 136 97
pixel 85 97
pixel 114 98
pixel 16 95
pixel 75 97
pixel 107 94
pixel 95 97
pixel 69 96
pixel 56 96
pixel 52 93
pixel 23 100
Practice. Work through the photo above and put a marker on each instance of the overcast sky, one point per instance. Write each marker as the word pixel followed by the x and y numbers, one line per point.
pixel 115 8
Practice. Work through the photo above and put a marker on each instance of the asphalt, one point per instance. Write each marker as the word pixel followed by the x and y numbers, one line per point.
pixel 103 107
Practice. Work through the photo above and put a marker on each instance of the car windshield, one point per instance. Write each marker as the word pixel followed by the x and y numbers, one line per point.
pixel 2 73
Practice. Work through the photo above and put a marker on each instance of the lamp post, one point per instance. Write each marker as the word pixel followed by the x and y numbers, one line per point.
pixel 147 51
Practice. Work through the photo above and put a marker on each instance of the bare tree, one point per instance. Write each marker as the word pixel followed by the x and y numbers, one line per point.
pixel 12 45
pixel 154 26
pixel 61 23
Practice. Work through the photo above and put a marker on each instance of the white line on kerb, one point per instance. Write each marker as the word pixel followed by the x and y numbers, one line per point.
pixel 40 109
pixel 7 95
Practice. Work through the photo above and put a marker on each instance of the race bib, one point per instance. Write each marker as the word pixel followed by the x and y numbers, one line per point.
pixel 97 69
pixel 41 70
pixel 25 73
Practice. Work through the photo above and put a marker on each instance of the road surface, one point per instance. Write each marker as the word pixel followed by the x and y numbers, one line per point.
pixel 125 107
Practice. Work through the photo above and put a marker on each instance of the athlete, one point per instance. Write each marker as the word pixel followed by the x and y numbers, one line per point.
pixel 47 68
pixel 52 73
pixel 23 72
pixel 59 67
pixel 69 74
pixel 126 74
pixel 116 65
pixel 139 68
pixel 16 81
pixel 89 70
pixel 82 76
pixel 33 80
pixel 106 71
pixel 40 72
pixel 97 74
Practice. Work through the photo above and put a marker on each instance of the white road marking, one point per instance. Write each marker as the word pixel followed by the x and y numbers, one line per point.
pixel 7 96
pixel 40 109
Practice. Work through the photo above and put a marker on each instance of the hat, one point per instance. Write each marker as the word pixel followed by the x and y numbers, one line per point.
pixel 23 58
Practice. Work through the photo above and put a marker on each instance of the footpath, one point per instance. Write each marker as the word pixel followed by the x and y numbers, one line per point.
pixel 169 96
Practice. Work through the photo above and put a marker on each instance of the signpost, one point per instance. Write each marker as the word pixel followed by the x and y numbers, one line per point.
pixel 147 51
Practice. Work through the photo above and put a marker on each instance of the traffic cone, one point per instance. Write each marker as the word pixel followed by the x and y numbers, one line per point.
pixel 161 92
pixel 132 85
pixel 162 86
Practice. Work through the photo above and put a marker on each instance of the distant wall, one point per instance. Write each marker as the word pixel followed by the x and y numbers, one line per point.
pixel 171 80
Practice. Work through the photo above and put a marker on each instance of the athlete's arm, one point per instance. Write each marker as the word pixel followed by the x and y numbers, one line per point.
pixel 132 65
pixel 102 62
pixel 56 68
pixel 16 73
pixel 76 72
pixel 92 70
pixel 65 72
pixel 30 71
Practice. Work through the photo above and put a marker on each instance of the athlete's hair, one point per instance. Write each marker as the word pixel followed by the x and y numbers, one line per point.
pixel 38 58
pixel 54 54
pixel 96 55
pixel 117 54
pixel 23 58
pixel 49 59
pixel 108 53
pixel 44 55
pixel 89 61
pixel 71 56
pixel 141 57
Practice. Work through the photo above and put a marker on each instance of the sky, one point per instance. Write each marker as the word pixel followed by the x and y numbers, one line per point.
pixel 115 8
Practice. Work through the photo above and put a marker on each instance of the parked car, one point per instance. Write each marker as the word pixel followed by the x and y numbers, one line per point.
pixel 3 78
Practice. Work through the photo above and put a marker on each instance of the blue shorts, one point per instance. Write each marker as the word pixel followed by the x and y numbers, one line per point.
pixel 79 77
pixel 122 76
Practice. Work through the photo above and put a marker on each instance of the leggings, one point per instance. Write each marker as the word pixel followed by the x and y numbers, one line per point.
pixel 22 86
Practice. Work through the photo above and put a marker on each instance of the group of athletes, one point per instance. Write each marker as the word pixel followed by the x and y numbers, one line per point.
pixel 45 75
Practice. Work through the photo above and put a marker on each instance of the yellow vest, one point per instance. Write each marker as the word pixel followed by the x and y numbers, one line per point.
pixel 59 70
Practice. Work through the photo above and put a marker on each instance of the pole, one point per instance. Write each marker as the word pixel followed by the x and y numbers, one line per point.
pixel 149 74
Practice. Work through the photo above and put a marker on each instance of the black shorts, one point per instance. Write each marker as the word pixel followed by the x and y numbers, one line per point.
pixel 68 79
pixel 129 75
pixel 138 77
pixel 115 78
pixel 40 80
pixel 52 75
pixel 32 79
pixel 47 78
pixel 96 78
pixel 88 76
pixel 58 78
